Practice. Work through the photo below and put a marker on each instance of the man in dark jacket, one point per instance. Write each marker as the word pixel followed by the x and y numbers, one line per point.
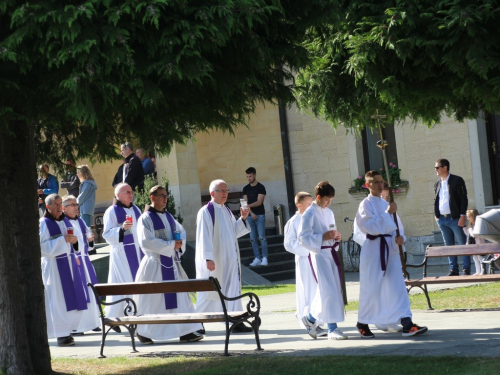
pixel 450 206
pixel 71 182
pixel 133 173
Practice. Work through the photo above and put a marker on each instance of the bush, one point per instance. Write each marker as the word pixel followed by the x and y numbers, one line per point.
pixel 142 197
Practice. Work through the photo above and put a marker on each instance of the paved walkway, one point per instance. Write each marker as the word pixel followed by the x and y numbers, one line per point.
pixel 456 333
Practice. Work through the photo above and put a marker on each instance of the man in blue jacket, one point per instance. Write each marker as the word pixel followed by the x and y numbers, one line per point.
pixel 47 184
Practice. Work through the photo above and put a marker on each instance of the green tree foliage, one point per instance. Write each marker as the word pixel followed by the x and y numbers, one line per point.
pixel 141 197
pixel 78 78
pixel 407 58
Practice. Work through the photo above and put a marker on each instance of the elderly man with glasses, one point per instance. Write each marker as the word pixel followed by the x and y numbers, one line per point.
pixel 450 206
pixel 162 240
pixel 90 317
pixel 217 251
pixel 120 231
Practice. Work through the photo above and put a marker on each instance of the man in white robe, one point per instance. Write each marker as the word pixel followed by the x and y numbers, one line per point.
pixel 90 317
pixel 317 233
pixel 305 275
pixel 64 290
pixel 126 253
pixel 161 262
pixel 217 251
pixel 383 299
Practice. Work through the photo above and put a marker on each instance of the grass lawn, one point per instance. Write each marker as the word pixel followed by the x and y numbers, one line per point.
pixel 472 296
pixel 283 365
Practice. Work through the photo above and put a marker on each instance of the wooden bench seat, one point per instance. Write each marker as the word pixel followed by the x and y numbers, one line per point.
pixel 447 251
pixel 131 318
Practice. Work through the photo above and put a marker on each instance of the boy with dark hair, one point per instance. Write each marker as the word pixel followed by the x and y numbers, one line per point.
pixel 383 299
pixel 318 234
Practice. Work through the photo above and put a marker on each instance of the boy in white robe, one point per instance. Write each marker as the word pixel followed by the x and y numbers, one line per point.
pixel 305 275
pixel 317 233
pixel 90 317
pixel 161 262
pixel 383 299
pixel 121 233
pixel 218 253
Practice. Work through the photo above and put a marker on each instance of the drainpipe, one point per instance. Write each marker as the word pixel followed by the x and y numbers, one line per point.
pixel 287 160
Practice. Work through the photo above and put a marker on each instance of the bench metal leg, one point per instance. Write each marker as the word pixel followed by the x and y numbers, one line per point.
pixel 255 325
pixel 103 340
pixel 427 296
pixel 226 345
pixel 131 329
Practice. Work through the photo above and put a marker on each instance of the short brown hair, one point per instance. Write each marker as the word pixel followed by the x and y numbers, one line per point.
pixel 324 189
pixel 299 197
pixel 155 189
pixel 370 175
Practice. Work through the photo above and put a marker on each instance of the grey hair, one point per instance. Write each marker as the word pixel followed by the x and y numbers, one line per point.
pixel 128 145
pixel 51 198
pixel 214 184
pixel 68 198
pixel 120 186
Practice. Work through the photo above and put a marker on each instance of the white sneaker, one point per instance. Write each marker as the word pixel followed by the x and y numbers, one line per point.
pixel 337 335
pixel 310 327
pixel 264 262
pixel 255 263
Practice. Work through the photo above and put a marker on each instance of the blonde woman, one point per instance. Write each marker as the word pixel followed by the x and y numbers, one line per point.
pixel 86 198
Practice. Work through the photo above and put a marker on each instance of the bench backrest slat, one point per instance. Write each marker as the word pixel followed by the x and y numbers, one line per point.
pixel 201 285
pixel 459 250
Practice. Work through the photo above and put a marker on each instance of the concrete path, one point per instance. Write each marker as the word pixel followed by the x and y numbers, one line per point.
pixel 456 333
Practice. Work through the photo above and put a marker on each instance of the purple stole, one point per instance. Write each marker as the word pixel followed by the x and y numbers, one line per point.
pixel 384 249
pixel 128 240
pixel 167 264
pixel 74 290
pixel 86 259
pixel 335 257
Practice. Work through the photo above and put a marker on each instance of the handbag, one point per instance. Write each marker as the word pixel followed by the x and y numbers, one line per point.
pixel 471 240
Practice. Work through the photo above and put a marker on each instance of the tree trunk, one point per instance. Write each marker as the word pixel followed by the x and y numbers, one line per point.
pixel 24 346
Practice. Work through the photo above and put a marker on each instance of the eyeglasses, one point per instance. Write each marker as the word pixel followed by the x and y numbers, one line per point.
pixel 161 195
pixel 71 205
pixel 222 191
pixel 436 168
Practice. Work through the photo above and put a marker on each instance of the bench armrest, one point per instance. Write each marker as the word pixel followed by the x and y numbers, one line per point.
pixel 253 305
pixel 130 308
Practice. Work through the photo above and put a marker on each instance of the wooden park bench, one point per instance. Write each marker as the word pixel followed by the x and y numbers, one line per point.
pixel 131 319
pixel 447 251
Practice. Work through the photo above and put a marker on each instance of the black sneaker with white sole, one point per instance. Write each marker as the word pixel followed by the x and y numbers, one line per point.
pixel 414 330
pixel 364 331
pixel 144 340
pixel 65 341
pixel 191 337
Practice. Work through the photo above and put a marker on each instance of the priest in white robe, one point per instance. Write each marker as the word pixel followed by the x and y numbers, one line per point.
pixel 90 317
pixel 161 262
pixel 318 233
pixel 121 234
pixel 383 298
pixel 305 275
pixel 217 251
pixel 65 297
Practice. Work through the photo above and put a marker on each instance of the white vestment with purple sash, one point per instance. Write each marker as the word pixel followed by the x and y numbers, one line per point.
pixel 125 255
pixel 305 275
pixel 383 298
pixel 90 318
pixel 65 297
pixel 328 303
pixel 217 240
pixel 161 263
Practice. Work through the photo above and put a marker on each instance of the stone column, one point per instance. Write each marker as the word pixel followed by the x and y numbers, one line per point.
pixel 181 169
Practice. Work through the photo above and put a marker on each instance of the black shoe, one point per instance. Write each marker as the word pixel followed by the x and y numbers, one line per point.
pixel 413 330
pixel 467 272
pixel 364 331
pixel 191 337
pixel 241 328
pixel 117 329
pixel 77 333
pixel 65 341
pixel 97 329
pixel 453 273
pixel 145 340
